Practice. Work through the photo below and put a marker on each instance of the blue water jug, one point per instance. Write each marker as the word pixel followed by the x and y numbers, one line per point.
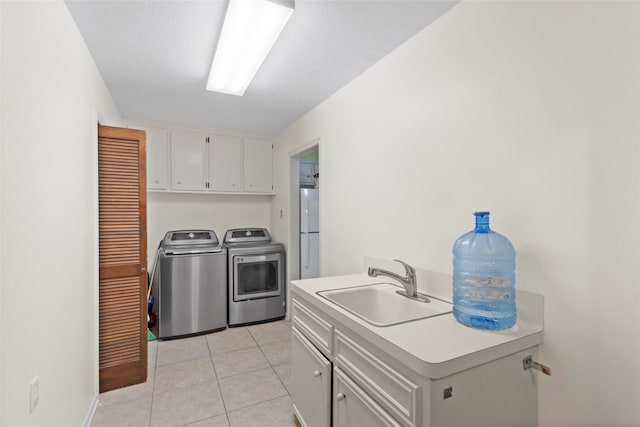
pixel 484 279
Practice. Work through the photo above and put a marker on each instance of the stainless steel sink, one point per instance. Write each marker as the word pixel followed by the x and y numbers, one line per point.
pixel 380 305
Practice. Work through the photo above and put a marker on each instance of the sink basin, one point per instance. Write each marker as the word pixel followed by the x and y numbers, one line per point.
pixel 380 305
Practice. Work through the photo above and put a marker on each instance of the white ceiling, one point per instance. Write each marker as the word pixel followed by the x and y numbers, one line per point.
pixel 155 56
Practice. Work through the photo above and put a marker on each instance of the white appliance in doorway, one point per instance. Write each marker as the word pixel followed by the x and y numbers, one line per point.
pixel 309 233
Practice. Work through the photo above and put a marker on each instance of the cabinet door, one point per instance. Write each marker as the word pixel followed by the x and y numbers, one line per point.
pixel 306 173
pixel 157 155
pixel 225 163
pixel 311 383
pixel 188 160
pixel 258 166
pixel 353 407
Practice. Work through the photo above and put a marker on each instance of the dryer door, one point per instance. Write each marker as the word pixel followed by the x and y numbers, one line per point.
pixel 257 276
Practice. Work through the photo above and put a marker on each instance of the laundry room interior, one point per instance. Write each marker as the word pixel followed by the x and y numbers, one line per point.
pixel 305 248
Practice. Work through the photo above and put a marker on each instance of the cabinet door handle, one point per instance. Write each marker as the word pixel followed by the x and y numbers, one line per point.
pixel 317 373
pixel 340 396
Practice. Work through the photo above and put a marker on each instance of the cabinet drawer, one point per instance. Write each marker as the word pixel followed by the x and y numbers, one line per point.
pixel 317 330
pixel 388 387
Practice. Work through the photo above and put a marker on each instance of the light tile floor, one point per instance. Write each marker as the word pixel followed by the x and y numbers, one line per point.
pixel 234 378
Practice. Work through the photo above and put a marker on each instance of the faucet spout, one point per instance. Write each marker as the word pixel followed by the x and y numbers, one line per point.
pixel 408 281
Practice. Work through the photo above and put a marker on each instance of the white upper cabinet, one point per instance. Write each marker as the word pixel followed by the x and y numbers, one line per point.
pixel 258 166
pixel 157 158
pixel 188 160
pixel 307 170
pixel 196 162
pixel 225 163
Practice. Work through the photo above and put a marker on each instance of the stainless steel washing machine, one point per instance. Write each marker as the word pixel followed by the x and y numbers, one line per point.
pixel 192 283
pixel 256 269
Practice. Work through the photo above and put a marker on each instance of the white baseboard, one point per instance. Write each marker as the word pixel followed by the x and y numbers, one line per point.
pixel 92 410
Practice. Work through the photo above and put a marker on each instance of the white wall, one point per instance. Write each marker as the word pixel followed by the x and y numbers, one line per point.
pixel 175 211
pixel 52 94
pixel 530 110
pixel 1 217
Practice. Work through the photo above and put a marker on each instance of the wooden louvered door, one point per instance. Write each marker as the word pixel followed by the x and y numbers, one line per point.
pixel 123 257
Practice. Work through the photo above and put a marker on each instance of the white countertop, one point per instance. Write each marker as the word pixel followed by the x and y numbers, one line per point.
pixel 438 346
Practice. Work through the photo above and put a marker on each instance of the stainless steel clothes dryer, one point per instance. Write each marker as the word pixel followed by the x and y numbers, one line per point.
pixel 192 283
pixel 256 270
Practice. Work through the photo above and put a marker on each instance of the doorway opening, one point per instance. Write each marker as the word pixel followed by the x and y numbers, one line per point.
pixel 309 214
pixel 305 232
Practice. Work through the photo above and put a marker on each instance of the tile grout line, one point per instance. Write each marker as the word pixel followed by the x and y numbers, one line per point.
pixel 275 342
pixel 276 372
pixel 288 324
pixel 273 369
pixel 236 349
pixel 257 404
pixel 224 405
pixel 186 386
pixel 269 400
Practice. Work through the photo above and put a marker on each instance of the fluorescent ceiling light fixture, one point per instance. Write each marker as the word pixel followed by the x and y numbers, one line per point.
pixel 250 29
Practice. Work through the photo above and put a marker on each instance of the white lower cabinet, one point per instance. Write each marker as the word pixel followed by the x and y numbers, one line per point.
pixel 311 386
pixel 352 406
pixel 399 395
pixel 371 388
pixel 316 401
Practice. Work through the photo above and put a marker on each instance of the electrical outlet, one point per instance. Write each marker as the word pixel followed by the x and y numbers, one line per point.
pixel 34 394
